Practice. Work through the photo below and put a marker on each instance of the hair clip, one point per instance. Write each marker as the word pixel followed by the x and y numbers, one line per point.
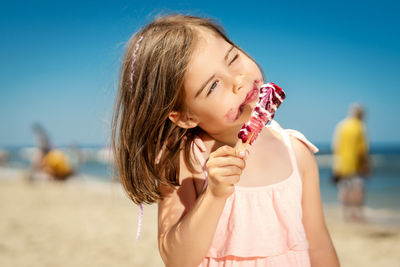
pixel 134 57
pixel 140 221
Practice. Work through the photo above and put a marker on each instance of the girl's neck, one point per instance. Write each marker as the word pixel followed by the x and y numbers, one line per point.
pixel 213 142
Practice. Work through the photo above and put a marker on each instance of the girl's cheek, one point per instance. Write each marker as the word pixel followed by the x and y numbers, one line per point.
pixel 244 66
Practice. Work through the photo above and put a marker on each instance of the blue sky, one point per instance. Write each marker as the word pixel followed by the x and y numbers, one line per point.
pixel 59 61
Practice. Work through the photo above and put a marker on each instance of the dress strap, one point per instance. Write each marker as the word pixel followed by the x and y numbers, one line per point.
pixel 292 155
pixel 286 138
pixel 198 148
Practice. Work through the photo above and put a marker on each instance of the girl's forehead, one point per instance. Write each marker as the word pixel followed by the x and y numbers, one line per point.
pixel 207 53
pixel 208 39
pixel 209 50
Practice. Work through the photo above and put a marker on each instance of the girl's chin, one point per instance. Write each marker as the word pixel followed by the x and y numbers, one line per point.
pixel 242 114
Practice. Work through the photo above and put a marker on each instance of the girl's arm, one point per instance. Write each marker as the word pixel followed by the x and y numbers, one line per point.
pixel 186 224
pixel 321 249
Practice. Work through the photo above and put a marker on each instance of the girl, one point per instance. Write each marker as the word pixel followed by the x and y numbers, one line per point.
pixel 185 91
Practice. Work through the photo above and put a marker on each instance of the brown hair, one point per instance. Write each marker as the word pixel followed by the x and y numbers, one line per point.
pixel 141 128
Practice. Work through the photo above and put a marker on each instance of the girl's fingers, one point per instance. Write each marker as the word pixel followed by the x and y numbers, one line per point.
pixel 226 161
pixel 223 172
pixel 224 151
pixel 225 166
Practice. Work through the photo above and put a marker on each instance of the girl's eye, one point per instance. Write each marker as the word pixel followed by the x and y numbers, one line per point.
pixel 212 87
pixel 234 58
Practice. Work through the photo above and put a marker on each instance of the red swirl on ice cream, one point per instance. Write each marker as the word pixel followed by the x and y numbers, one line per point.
pixel 270 98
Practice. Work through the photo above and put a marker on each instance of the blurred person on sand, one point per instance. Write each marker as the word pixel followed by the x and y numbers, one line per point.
pixel 3 156
pixel 53 163
pixel 351 162
pixel 185 90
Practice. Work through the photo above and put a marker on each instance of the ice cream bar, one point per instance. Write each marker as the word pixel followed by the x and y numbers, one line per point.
pixel 270 98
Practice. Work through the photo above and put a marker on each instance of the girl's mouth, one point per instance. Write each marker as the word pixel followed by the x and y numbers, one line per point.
pixel 250 96
pixel 232 114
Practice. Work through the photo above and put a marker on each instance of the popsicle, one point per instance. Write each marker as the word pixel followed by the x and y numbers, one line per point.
pixel 270 98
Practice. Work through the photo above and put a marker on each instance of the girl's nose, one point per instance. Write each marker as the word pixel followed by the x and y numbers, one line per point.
pixel 238 83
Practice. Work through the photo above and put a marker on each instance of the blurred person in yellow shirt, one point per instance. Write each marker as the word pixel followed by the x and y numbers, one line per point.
pixel 57 165
pixel 351 163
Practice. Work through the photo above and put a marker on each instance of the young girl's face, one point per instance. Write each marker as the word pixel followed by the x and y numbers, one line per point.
pixel 221 86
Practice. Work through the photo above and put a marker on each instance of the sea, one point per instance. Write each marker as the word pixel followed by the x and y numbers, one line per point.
pixel 382 186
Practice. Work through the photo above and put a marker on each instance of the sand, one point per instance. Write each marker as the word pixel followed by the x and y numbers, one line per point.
pixel 86 223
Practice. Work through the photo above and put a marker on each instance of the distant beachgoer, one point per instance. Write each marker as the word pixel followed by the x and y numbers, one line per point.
pixel 351 163
pixel 53 162
pixel 3 156
pixel 57 165
pixel 42 139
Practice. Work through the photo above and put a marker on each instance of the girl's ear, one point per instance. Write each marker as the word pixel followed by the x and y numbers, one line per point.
pixel 182 120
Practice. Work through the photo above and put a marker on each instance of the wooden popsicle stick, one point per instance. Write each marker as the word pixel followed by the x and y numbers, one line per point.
pixel 242 146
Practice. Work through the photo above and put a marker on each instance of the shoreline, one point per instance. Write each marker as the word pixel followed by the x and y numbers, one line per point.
pixel 19 173
pixel 83 222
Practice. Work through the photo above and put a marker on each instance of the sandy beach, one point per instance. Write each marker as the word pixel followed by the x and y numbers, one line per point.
pixel 86 223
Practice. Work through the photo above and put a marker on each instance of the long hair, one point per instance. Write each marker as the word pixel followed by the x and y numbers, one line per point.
pixel 145 142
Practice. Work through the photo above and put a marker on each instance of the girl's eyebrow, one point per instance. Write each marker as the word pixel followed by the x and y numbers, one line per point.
pixel 212 77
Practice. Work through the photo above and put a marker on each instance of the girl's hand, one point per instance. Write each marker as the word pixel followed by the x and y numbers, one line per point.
pixel 224 168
